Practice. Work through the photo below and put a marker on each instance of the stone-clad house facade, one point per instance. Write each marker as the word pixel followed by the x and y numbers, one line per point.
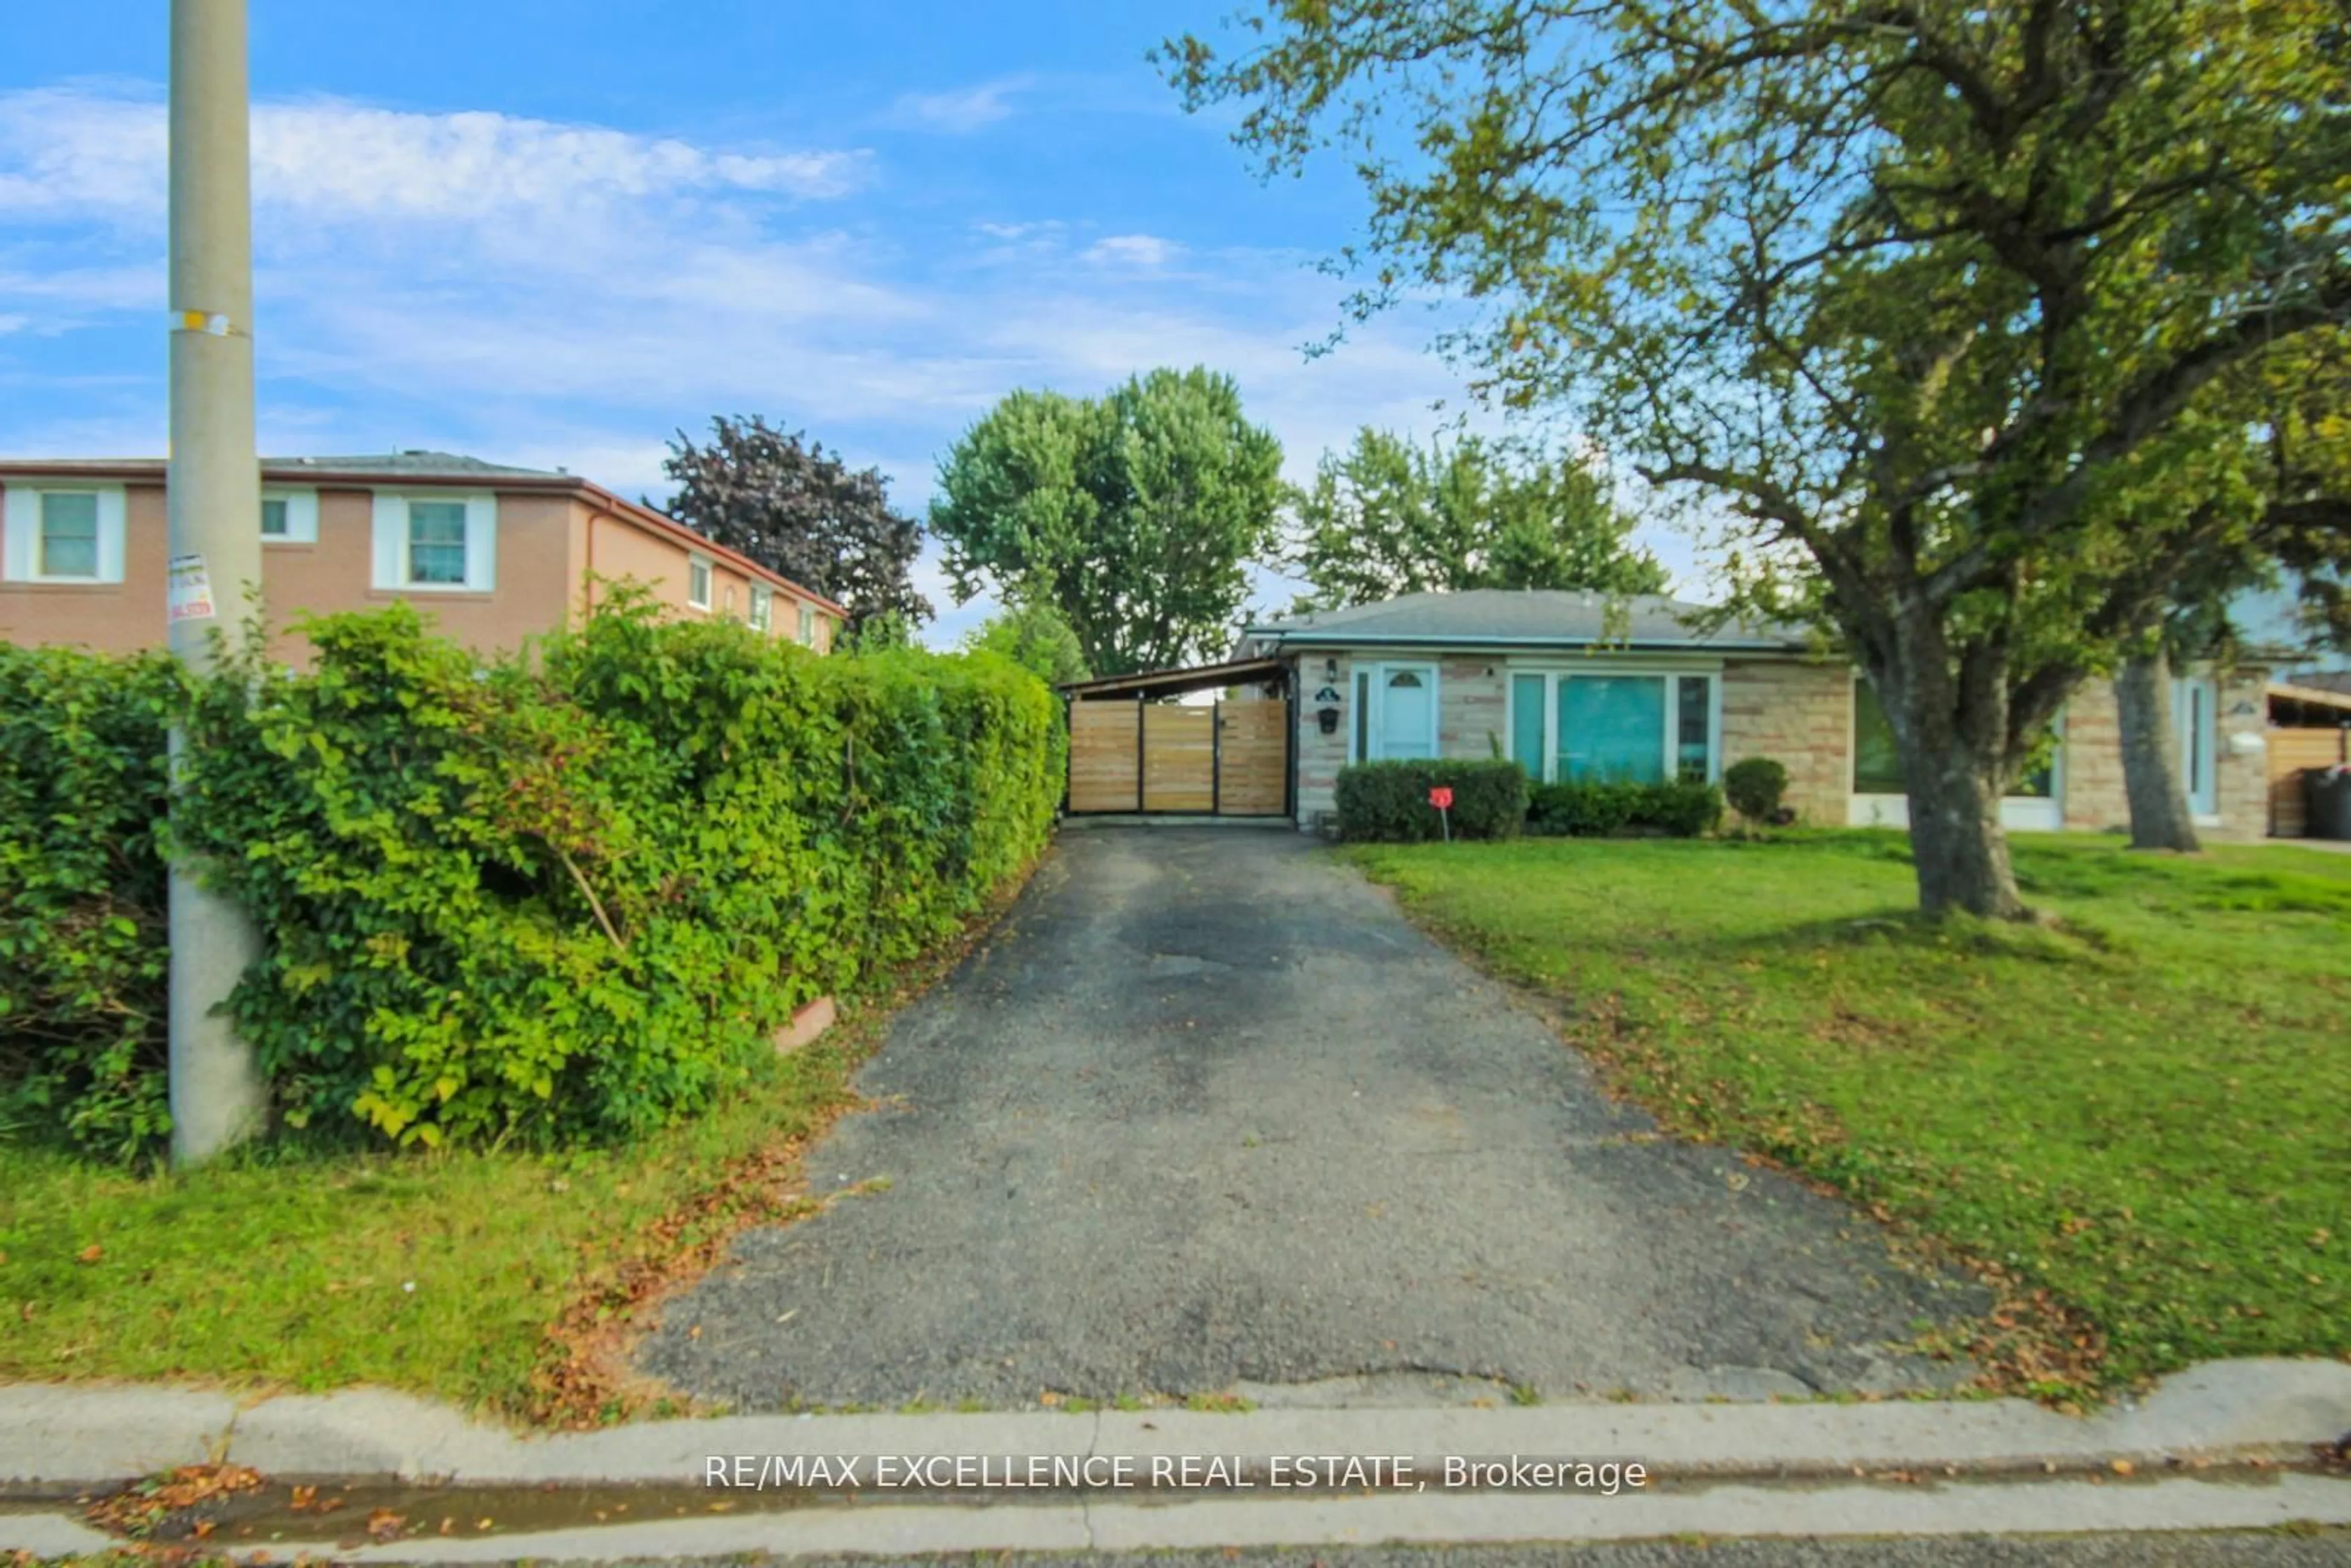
pixel 1575 685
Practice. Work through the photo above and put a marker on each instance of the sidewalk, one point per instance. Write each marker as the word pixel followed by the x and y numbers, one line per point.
pixel 1891 1468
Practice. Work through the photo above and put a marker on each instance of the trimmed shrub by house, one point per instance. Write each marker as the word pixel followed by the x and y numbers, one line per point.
pixel 81 892
pixel 572 893
pixel 1754 787
pixel 1387 802
pixel 1682 808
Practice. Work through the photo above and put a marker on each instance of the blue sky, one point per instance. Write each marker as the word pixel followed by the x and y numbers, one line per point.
pixel 551 233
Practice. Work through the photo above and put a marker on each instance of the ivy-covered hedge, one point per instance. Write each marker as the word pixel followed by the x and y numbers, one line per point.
pixel 82 779
pixel 573 894
pixel 1684 808
pixel 1387 802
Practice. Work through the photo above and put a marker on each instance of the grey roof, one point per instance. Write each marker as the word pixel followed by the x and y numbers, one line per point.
pixel 1526 616
pixel 409 464
pixel 414 464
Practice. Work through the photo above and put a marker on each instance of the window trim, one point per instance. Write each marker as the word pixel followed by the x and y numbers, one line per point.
pixel 2203 794
pixel 1553 670
pixel 21 522
pixel 2018 813
pixel 807 623
pixel 302 515
pixel 391 571
pixel 1368 726
pixel 697 562
pixel 763 608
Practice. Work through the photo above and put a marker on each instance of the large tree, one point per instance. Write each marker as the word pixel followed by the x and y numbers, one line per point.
pixel 1897 287
pixel 2256 480
pixel 1132 514
pixel 1389 517
pixel 796 508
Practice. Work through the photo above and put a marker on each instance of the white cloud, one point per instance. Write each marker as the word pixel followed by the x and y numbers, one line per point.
pixel 1132 250
pixel 961 110
pixel 67 152
pixel 567 295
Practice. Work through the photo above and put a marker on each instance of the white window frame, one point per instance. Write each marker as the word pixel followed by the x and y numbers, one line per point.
pixel 2018 813
pixel 763 608
pixel 1374 719
pixel 391 569
pixel 20 560
pixel 302 515
pixel 808 624
pixel 1672 674
pixel 698 564
pixel 2201 786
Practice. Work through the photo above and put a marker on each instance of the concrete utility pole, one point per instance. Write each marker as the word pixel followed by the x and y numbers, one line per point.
pixel 214 505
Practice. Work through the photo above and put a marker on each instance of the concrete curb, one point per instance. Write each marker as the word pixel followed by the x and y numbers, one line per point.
pixel 1731 1510
pixel 58 1436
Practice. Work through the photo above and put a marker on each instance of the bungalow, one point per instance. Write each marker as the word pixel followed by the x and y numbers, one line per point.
pixel 497 554
pixel 1576 685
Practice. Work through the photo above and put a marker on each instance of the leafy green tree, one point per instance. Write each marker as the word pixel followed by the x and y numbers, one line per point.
pixel 1388 517
pixel 796 508
pixel 2260 481
pixel 1037 637
pixel 1898 289
pixel 1132 514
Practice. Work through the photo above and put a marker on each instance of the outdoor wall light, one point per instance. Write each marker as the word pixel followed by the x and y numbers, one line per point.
pixel 1330 669
pixel 1328 717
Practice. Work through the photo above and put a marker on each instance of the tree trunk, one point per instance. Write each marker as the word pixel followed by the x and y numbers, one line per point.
pixel 1950 719
pixel 1957 839
pixel 2159 817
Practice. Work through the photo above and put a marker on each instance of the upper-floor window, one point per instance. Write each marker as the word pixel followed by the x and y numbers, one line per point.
pixel 63 533
pixel 697 581
pixel 763 602
pixel 807 626
pixel 436 542
pixel 69 534
pixel 289 517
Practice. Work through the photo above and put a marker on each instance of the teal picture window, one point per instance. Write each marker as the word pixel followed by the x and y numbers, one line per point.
pixel 1613 727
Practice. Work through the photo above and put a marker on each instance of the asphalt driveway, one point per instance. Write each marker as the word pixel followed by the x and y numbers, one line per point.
pixel 1205 1115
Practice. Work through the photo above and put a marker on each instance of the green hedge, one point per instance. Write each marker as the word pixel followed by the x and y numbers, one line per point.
pixel 573 894
pixel 1387 802
pixel 82 960
pixel 1683 808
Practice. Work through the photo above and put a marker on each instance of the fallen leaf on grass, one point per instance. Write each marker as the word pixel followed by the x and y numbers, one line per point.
pixel 89 1254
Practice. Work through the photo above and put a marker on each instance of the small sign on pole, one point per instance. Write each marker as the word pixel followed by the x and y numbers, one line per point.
pixel 188 589
pixel 1441 796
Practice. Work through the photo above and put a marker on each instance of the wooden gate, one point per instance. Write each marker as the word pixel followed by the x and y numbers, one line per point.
pixel 1229 759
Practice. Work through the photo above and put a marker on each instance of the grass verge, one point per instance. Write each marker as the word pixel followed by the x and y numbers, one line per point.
pixel 507 1283
pixel 2143 1115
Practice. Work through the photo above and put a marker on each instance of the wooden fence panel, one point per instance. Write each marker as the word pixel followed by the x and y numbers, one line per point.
pixel 1252 758
pixel 1179 759
pixel 1104 761
pixel 2291 751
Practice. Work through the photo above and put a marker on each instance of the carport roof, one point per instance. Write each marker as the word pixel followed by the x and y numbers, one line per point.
pixel 1172 683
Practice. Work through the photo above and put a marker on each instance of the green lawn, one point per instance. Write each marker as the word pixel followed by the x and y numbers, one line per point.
pixel 2145 1112
pixel 440 1273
